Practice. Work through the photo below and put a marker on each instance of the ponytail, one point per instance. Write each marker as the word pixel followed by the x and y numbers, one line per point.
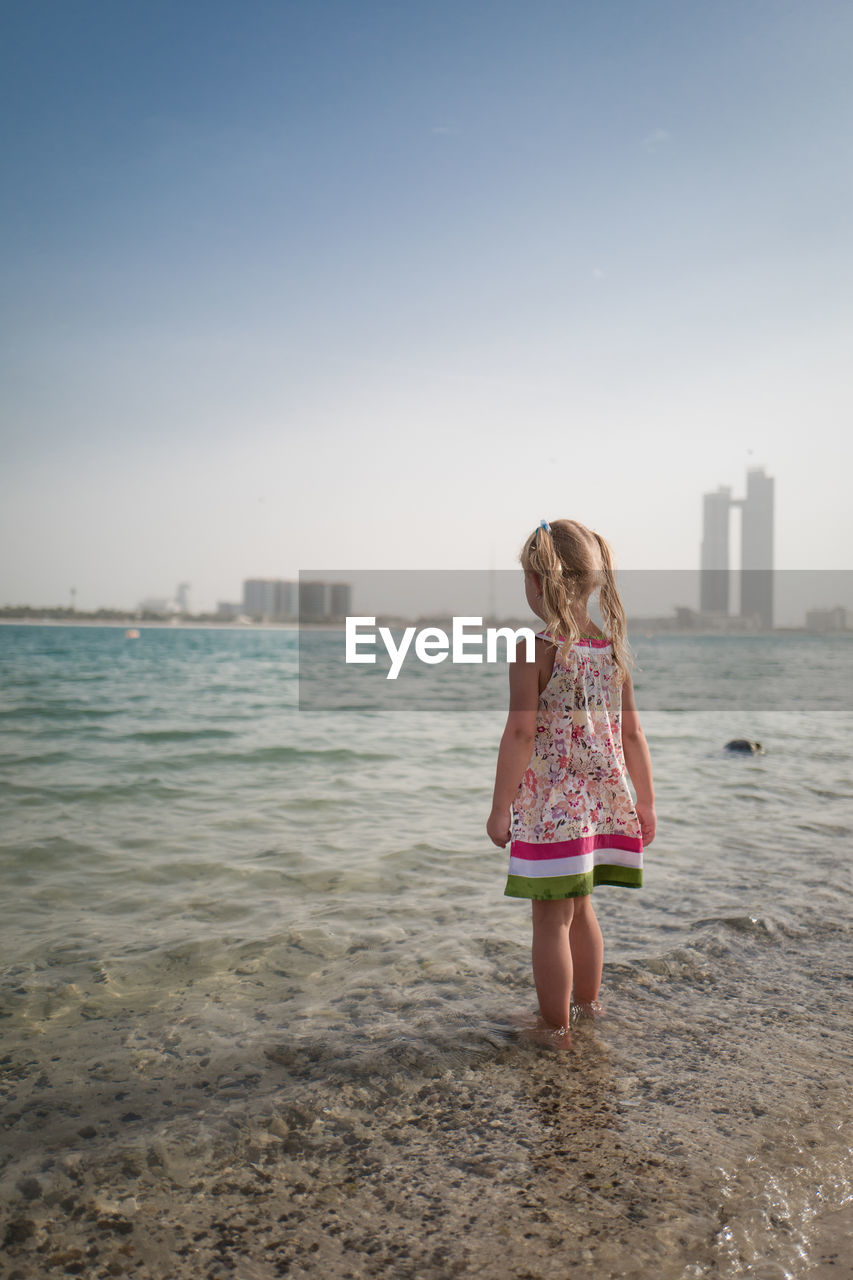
pixel 562 588
pixel 612 609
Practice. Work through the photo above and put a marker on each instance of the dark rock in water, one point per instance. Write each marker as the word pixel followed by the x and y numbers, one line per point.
pixel 19 1230
pixel 30 1188
pixel 745 746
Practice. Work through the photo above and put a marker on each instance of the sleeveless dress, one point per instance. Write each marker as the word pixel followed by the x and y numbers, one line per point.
pixel 574 824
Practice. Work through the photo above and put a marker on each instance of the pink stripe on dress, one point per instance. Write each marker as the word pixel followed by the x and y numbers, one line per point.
pixel 574 848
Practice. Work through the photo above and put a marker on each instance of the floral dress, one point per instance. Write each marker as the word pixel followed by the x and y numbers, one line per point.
pixel 574 824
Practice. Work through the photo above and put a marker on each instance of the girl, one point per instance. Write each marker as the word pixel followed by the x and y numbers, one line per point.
pixel 561 795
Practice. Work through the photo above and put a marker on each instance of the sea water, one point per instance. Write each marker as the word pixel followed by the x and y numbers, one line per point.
pixel 262 992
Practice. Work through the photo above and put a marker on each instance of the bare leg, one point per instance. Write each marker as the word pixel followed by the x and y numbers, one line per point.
pixel 587 947
pixel 552 959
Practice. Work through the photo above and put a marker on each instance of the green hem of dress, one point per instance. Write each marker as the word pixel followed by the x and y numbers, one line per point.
pixel 546 888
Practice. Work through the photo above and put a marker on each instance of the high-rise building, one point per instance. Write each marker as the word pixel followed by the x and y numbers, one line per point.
pixel 271 599
pixel 756 579
pixel 756 576
pixel 259 598
pixel 313 601
pixel 714 579
pixel 285 600
pixel 274 600
pixel 340 598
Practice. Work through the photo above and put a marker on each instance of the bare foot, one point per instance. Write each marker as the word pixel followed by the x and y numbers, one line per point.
pixel 586 1009
pixel 541 1032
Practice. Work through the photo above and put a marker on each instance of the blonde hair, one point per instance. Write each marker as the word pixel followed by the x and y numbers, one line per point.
pixel 572 561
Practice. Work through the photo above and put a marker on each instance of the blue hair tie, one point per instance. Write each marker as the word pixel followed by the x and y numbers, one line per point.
pixel 543 524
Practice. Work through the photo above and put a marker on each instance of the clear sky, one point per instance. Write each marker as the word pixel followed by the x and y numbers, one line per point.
pixel 374 285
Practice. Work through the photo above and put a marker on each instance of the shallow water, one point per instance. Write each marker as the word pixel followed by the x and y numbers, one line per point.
pixel 262 991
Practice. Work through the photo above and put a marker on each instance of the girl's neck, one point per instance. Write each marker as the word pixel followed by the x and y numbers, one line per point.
pixel 586 626
pixel 587 629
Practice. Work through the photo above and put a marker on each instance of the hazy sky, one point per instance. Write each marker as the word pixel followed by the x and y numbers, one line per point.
pixel 372 285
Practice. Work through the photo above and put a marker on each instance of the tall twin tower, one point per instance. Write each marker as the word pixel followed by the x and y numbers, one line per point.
pixel 756 550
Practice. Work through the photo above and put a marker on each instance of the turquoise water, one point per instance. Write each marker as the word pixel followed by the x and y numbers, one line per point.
pixel 257 965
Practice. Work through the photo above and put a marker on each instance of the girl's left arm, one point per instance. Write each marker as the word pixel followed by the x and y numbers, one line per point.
pixel 516 744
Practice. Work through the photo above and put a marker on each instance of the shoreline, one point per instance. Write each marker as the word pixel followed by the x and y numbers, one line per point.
pixel 212 625
pixel 137 625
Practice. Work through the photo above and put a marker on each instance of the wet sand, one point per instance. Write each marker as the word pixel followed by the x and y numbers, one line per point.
pixel 832 1245
pixel 483 1155
pixel 411 1177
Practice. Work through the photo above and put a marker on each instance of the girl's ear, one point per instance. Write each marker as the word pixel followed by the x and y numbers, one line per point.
pixel 535 582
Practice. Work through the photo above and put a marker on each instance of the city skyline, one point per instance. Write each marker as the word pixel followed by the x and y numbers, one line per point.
pixel 384 286
pixel 719 588
pixel 717 595
pixel 655 600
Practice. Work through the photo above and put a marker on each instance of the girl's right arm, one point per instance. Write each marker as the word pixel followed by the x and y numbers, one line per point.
pixel 516 744
pixel 638 762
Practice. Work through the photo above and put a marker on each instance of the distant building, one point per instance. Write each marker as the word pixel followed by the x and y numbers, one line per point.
pixel 258 598
pixel 756 582
pixel 324 601
pixel 827 619
pixel 340 600
pixel 226 610
pixel 156 604
pixel 756 577
pixel 270 599
pixel 179 603
pixel 314 601
pixel 714 579
pixel 276 600
pixel 285 599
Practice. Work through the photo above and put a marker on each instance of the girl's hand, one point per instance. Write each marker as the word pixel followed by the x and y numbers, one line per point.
pixel 498 827
pixel 648 822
